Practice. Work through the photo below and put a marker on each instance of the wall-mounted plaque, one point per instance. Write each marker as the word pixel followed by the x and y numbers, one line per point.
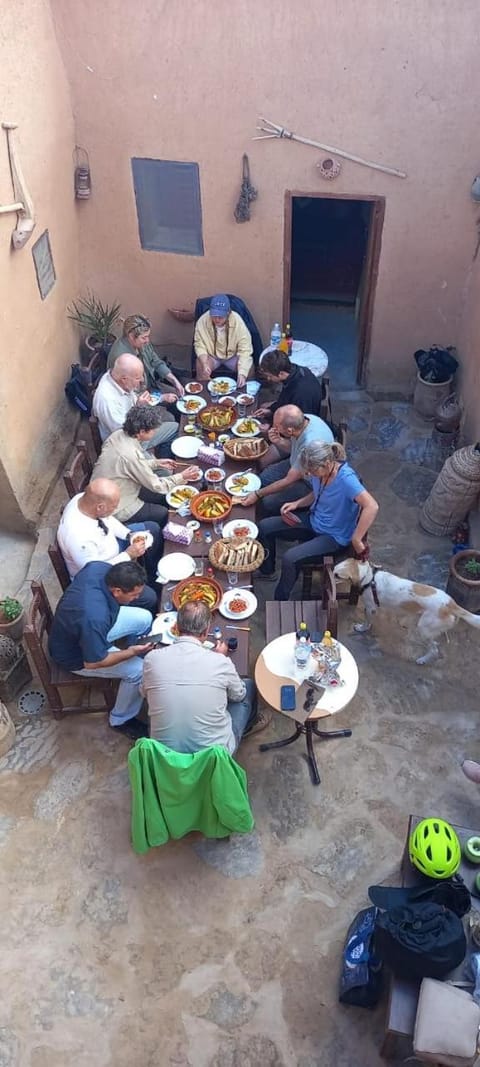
pixel 45 270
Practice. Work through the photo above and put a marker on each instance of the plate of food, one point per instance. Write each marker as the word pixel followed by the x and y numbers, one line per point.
pixel 221 386
pixel 181 494
pixel 242 484
pixel 240 528
pixel 191 405
pixel 175 567
pixel 248 427
pixel 238 604
pixel 165 624
pixel 214 475
pixel 228 401
pixel 216 417
pixel 154 398
pixel 193 387
pixel 196 589
pixel 251 448
pixel 185 447
pixel 245 399
pixel 144 537
pixel 211 505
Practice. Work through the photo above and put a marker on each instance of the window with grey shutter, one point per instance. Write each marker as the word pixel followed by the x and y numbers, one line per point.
pixel 168 206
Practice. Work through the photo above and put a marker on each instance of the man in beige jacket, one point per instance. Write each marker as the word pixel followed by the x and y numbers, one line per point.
pixel 124 460
pixel 222 342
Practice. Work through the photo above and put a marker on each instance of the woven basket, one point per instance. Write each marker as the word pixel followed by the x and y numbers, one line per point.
pixel 182 314
pixel 231 448
pixel 7 730
pixel 231 543
pixel 454 493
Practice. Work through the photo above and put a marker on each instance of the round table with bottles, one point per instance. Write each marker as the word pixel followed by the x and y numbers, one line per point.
pixel 276 667
pixel 305 354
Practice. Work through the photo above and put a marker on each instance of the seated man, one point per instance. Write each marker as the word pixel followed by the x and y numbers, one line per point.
pixel 299 385
pixel 123 459
pixel 89 531
pixel 93 613
pixel 222 342
pixel 195 696
pixel 136 341
pixel 283 481
pixel 117 392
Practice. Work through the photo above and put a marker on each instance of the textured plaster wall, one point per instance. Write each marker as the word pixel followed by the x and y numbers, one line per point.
pixel 470 355
pixel 394 82
pixel 38 343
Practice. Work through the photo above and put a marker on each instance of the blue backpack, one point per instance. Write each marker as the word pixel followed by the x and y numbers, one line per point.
pixel 361 976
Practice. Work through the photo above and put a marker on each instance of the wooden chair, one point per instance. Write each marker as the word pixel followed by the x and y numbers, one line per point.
pixel 79 473
pixel 53 678
pixel 58 564
pixel 96 440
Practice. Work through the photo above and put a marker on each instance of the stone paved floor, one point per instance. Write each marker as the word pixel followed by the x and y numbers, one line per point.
pixel 206 954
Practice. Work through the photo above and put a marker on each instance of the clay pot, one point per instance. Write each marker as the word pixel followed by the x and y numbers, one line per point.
pixel 13 629
pixel 463 589
pixel 428 395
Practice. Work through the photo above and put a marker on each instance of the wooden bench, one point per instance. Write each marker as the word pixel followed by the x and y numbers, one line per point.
pixel 284 616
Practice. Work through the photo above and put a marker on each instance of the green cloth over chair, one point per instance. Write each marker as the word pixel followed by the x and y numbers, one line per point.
pixel 174 793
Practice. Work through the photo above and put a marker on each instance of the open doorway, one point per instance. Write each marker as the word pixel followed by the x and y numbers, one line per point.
pixel 332 249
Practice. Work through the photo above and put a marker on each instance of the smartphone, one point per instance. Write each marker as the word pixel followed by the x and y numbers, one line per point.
pixel 287 698
pixel 291 518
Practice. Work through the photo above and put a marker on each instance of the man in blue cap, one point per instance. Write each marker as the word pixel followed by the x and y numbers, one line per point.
pixel 222 342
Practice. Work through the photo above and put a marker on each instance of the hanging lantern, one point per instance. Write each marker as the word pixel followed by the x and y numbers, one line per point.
pixel 82 179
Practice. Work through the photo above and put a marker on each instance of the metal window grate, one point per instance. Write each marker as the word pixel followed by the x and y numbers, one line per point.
pixel 169 208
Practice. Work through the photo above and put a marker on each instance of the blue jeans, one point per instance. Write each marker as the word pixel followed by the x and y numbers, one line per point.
pixel 130 622
pixel 270 505
pixel 312 547
pixel 243 712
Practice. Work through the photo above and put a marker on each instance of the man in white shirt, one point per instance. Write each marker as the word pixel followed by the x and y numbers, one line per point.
pixel 89 532
pixel 195 696
pixel 117 392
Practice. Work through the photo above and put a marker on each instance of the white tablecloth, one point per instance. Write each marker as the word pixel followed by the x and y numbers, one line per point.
pixel 305 354
pixel 279 659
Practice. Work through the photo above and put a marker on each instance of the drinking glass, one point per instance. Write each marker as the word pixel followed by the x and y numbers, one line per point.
pixel 167 603
pixel 232 578
pixel 199 567
pixel 218 528
pixel 241 409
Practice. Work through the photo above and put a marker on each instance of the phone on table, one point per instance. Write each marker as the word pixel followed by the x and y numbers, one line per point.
pixel 287 698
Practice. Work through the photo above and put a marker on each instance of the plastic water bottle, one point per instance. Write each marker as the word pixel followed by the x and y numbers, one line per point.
pixel 302 653
pixel 275 336
pixel 217 634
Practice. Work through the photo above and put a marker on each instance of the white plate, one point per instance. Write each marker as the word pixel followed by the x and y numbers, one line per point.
pixel 253 483
pixel 212 386
pixel 162 624
pixel 199 402
pixel 172 503
pixel 195 391
pixel 155 398
pixel 142 533
pixel 229 528
pixel 175 567
pixel 247 433
pixel 245 595
pixel 185 447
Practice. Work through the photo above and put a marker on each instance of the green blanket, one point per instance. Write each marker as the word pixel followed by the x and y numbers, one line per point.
pixel 173 793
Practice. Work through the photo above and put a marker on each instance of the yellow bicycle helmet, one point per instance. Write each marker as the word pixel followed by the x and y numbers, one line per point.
pixel 435 849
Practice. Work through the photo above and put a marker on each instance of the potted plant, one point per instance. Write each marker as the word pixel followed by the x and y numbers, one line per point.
pixel 464 580
pixel 97 320
pixel 12 618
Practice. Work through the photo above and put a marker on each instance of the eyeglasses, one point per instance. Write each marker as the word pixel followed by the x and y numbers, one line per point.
pixel 310 700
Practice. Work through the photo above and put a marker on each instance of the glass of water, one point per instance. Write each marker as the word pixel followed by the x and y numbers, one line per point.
pixel 218 528
pixel 199 567
pixel 232 578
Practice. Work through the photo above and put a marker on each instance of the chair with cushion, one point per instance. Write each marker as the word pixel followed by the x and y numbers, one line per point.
pixel 58 564
pixel 237 304
pixel 79 473
pixel 53 678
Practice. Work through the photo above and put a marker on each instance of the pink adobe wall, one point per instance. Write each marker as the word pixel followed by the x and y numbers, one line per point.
pixel 38 341
pixel 470 356
pixel 187 81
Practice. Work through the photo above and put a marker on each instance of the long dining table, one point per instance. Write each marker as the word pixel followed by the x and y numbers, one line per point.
pixel 199 549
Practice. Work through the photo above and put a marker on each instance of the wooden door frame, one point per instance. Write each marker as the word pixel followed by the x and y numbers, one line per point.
pixel 372 258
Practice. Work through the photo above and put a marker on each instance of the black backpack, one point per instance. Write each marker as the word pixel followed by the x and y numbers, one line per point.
pixel 420 940
pixel 78 389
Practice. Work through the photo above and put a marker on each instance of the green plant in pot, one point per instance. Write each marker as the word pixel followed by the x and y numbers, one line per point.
pixel 97 321
pixel 11 617
pixel 464 580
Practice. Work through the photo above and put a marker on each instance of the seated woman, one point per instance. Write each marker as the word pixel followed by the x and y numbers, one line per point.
pixel 125 462
pixel 336 513
pixel 222 342
pixel 136 341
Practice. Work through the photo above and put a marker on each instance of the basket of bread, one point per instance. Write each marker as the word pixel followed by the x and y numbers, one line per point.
pixel 254 448
pixel 242 554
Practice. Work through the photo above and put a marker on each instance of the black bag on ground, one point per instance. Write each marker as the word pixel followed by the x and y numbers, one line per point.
pixel 361 977
pixel 437 364
pixel 420 940
pixel 77 391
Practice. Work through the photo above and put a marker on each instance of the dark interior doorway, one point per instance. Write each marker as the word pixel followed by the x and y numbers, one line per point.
pixel 332 247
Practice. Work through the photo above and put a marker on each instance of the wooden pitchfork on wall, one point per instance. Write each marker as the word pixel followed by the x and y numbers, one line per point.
pixel 270 130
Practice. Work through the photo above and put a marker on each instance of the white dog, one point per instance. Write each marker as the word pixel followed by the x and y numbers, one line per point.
pixel 437 612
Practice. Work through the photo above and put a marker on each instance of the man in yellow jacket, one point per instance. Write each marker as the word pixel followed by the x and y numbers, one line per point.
pixel 222 342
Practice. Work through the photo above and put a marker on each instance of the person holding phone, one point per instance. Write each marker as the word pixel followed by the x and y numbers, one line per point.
pixel 337 512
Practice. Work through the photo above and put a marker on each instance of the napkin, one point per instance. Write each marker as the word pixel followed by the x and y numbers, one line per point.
pixel 173 531
pixel 212 457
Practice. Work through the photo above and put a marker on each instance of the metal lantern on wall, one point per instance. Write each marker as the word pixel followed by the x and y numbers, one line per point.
pixel 82 179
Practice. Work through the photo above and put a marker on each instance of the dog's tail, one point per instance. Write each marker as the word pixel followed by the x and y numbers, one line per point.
pixel 467 616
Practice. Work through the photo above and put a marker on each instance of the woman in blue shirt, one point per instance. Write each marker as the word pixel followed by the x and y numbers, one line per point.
pixel 337 512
